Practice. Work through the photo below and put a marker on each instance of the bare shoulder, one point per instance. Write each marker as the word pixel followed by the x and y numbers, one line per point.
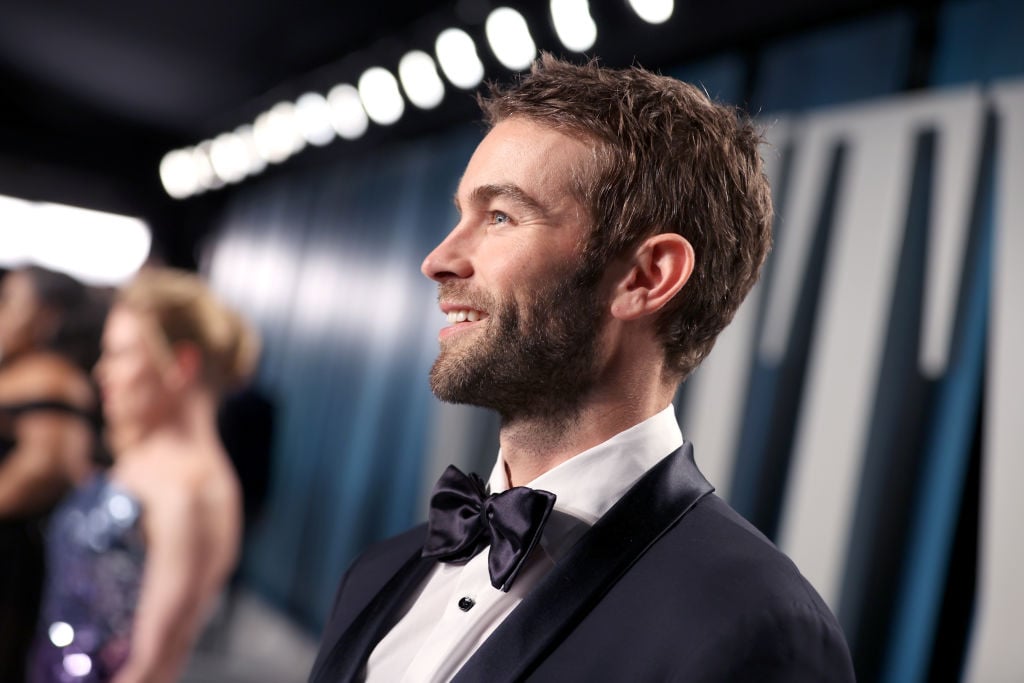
pixel 215 483
pixel 46 376
pixel 196 486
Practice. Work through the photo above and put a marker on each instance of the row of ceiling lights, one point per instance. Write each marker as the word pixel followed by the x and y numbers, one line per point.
pixel 346 111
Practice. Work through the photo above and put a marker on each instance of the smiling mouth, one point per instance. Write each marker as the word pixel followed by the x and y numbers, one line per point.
pixel 465 315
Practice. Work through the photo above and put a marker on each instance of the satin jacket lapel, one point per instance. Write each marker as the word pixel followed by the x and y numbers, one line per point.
pixel 600 558
pixel 349 653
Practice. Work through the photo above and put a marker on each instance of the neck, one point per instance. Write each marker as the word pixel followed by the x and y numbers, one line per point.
pixel 534 445
pixel 192 422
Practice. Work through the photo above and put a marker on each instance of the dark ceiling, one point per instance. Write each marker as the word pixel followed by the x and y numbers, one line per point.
pixel 94 93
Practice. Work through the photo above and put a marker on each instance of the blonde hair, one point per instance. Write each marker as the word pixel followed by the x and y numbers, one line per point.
pixel 185 310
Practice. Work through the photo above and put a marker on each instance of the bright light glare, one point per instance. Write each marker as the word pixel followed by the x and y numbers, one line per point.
pixel 77 664
pixel 178 174
pixel 347 114
pixel 456 53
pixel 314 118
pixel 229 157
pixel 510 39
pixel 276 133
pixel 15 231
pixel 420 81
pixel 378 91
pixel 61 633
pixel 256 163
pixel 653 11
pixel 204 166
pixel 573 24
pixel 95 247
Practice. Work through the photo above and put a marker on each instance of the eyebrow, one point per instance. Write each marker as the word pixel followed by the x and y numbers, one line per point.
pixel 485 193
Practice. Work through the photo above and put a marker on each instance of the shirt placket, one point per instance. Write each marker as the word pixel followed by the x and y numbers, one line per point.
pixel 462 623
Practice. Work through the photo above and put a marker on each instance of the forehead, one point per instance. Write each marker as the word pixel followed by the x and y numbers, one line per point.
pixel 124 324
pixel 537 158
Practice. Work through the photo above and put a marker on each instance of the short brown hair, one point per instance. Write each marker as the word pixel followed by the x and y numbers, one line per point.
pixel 185 310
pixel 667 159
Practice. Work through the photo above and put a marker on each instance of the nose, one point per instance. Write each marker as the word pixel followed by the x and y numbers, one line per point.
pixel 450 259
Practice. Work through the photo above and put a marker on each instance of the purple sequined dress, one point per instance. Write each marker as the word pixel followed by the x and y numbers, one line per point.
pixel 95 556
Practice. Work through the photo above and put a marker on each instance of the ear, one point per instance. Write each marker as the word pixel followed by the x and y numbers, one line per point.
pixel 658 269
pixel 187 365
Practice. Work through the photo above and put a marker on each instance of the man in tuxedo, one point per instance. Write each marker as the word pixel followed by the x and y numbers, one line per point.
pixel 611 222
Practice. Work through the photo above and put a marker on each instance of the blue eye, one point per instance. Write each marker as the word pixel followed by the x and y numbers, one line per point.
pixel 499 218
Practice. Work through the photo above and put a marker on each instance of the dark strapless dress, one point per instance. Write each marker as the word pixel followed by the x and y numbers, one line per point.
pixel 95 554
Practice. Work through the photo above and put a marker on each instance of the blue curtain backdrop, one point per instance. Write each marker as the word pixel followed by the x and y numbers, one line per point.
pixel 326 262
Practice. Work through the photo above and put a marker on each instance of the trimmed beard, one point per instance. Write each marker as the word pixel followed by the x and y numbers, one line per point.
pixel 536 360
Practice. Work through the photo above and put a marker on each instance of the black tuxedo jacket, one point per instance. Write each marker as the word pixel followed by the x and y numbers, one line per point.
pixel 671 584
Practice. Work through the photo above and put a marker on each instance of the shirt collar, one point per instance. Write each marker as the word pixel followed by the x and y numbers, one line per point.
pixel 588 484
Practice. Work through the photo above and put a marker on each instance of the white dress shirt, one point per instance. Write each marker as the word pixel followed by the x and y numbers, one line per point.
pixel 437 636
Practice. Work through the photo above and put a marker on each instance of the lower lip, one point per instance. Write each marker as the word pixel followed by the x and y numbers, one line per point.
pixel 456 329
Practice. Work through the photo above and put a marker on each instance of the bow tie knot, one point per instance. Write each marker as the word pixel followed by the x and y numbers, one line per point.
pixel 464 519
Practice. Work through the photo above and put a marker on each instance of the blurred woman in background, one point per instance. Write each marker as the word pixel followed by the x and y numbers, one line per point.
pixel 139 554
pixel 49 338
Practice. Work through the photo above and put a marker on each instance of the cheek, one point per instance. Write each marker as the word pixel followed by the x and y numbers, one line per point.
pixel 511 278
pixel 131 381
pixel 145 382
pixel 15 324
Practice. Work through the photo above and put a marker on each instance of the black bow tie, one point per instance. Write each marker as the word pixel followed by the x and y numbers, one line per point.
pixel 464 519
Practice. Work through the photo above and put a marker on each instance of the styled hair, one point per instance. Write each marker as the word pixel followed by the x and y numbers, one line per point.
pixel 185 310
pixel 79 312
pixel 666 159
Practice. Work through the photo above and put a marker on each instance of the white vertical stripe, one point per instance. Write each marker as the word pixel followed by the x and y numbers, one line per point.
pixel 996 653
pixel 808 175
pixel 713 412
pixel 959 120
pixel 850 332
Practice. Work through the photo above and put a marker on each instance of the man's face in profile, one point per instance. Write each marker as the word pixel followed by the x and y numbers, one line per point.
pixel 524 328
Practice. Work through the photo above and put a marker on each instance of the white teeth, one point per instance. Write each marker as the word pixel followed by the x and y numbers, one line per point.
pixel 463 316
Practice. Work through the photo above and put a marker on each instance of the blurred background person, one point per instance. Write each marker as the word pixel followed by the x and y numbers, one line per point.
pixel 50 326
pixel 139 554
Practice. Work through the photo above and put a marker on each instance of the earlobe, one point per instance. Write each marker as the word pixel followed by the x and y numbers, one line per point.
pixel 660 267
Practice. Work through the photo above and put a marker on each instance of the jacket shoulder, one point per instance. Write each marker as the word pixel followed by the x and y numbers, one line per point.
pixel 711 600
pixel 727 567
